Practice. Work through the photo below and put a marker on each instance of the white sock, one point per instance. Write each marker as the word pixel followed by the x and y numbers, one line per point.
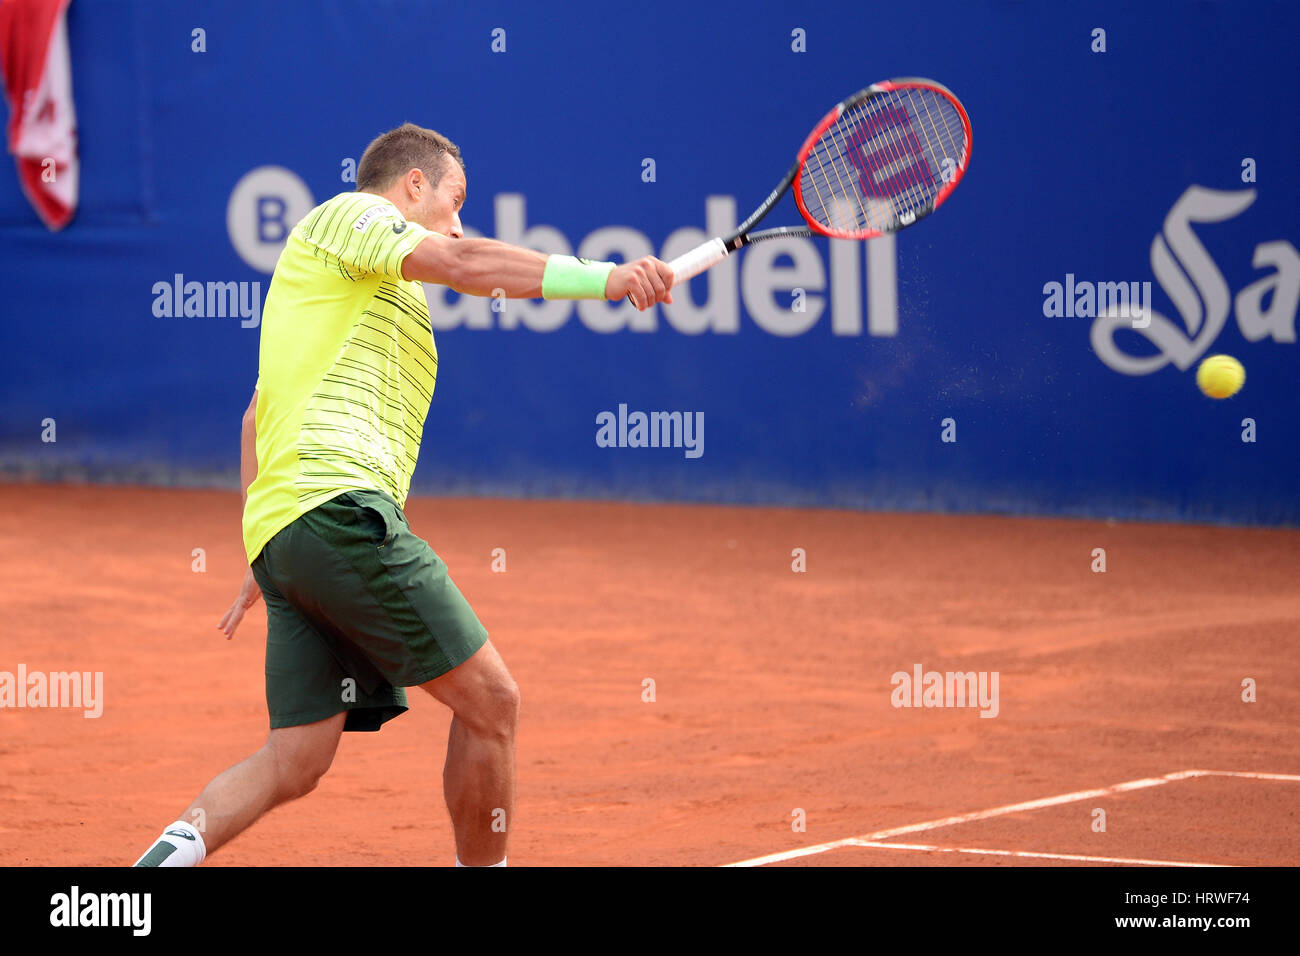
pixel 180 845
pixel 502 863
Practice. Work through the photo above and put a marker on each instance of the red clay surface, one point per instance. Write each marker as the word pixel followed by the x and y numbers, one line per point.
pixel 1202 820
pixel 772 687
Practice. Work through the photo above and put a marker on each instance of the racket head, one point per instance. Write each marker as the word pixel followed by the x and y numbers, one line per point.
pixel 883 159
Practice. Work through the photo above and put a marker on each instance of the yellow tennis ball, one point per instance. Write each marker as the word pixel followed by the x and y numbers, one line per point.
pixel 1220 376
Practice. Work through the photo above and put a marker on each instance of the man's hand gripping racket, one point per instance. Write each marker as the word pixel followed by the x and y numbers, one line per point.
pixel 880 161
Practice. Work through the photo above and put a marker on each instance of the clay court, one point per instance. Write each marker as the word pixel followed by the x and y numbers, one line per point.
pixel 1119 691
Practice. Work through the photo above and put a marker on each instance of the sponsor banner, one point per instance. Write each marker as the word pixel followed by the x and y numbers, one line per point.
pixel 1030 348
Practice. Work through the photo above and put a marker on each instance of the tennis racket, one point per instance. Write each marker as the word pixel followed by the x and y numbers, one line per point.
pixel 880 161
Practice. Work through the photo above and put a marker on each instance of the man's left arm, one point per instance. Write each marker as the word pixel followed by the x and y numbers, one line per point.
pixel 248 448
pixel 249 591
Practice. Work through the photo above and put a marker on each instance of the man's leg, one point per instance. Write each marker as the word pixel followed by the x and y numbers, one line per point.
pixel 288 766
pixel 479 776
pixel 381 598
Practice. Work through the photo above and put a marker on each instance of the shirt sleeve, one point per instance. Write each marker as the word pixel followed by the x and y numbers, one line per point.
pixel 365 235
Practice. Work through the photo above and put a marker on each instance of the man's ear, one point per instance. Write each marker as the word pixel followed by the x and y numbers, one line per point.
pixel 415 182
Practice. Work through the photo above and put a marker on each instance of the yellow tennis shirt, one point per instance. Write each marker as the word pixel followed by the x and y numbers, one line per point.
pixel 346 366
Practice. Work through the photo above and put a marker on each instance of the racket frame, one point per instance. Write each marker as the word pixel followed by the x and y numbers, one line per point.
pixel 827 121
pixel 715 250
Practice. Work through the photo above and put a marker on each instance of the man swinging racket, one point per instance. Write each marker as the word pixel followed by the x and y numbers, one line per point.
pixel 358 607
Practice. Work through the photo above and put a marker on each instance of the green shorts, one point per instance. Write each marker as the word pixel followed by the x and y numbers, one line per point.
pixel 357 608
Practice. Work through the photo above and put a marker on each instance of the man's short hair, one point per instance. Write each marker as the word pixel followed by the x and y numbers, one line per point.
pixel 402 149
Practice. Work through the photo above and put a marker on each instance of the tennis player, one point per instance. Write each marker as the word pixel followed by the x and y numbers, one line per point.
pixel 358 607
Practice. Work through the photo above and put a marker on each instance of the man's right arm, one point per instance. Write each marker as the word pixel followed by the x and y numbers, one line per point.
pixel 477 266
pixel 481 266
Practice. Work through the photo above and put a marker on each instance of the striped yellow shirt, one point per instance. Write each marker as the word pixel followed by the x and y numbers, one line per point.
pixel 346 366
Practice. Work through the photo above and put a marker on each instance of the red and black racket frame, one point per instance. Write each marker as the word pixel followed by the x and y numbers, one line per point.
pixel 743 237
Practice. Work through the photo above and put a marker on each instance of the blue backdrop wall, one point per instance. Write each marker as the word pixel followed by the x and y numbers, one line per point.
pixel 615 130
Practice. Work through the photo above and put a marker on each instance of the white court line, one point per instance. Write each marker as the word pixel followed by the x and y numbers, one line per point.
pixel 999 811
pixel 1242 773
pixel 1027 853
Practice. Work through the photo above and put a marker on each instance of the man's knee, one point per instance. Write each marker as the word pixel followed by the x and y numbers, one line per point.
pixel 481 693
pixel 302 756
pixel 494 711
pixel 298 772
pixel 299 781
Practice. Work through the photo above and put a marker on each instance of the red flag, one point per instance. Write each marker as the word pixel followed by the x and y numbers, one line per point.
pixel 38 88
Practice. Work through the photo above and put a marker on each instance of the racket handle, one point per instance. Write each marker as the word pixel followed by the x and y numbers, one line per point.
pixel 702 257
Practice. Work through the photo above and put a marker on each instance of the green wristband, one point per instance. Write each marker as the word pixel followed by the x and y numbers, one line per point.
pixel 567 277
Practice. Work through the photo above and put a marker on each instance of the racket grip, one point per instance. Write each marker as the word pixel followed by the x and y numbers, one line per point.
pixel 702 257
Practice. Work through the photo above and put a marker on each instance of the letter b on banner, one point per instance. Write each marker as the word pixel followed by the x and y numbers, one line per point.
pixel 264 205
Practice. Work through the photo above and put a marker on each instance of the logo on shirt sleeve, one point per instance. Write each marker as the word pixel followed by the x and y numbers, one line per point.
pixel 369 215
pixel 399 227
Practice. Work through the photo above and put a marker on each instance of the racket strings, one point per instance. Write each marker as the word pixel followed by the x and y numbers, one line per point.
pixel 884 145
pixel 883 161
pixel 889 155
